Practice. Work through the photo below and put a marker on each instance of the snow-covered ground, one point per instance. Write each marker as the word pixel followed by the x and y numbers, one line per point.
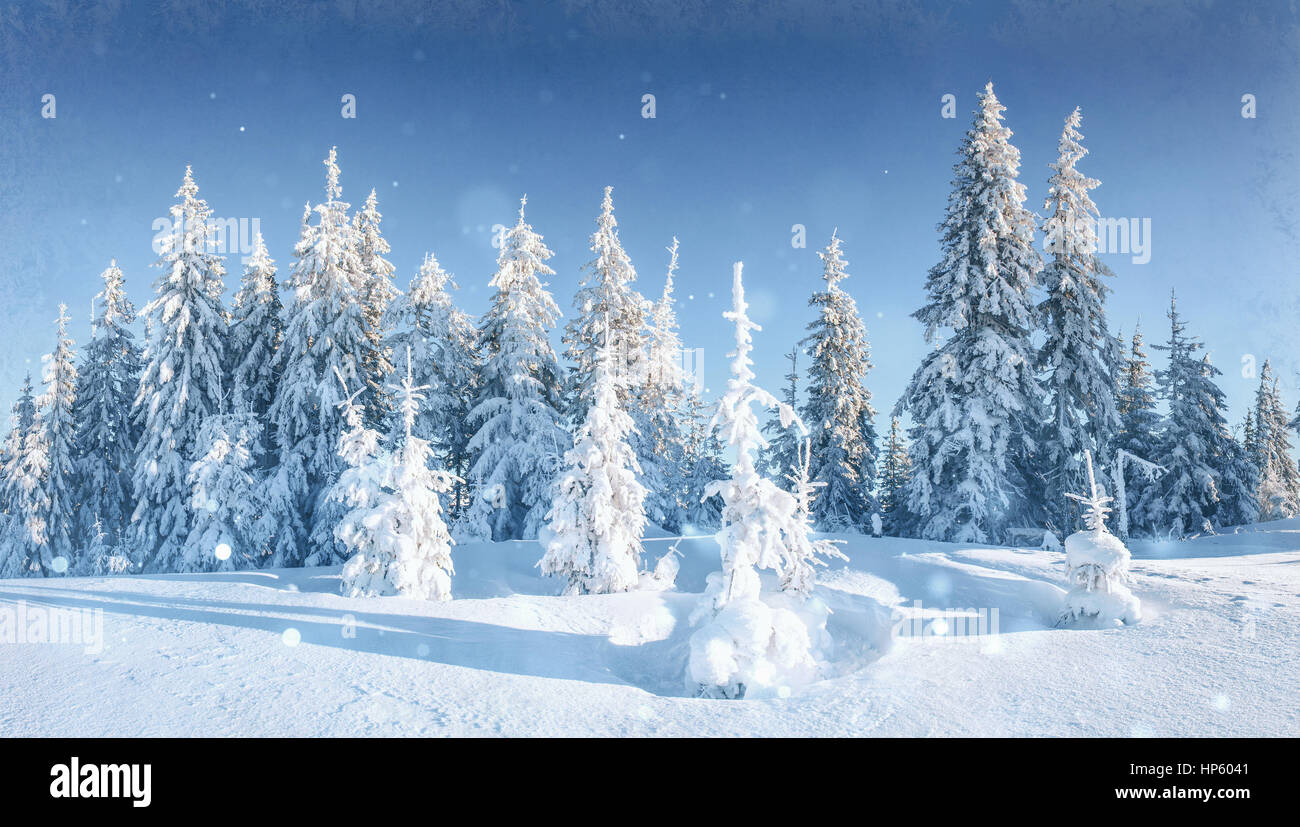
pixel 280 652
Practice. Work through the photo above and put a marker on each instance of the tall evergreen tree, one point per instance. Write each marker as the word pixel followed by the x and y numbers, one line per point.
pixel 895 469
pixel 27 498
pixel 22 413
pixel 1294 424
pixel 1079 356
pixel 14 530
pixel 440 338
pixel 1270 448
pixel 1139 433
pixel 106 433
pixel 1238 476
pixel 593 533
pixel 606 298
pixel 20 419
pixel 324 342
pixel 256 331
pixel 394 524
pixel 230 531
pixel 838 408
pixel 703 465
pixel 517 448
pixel 660 396
pixel 1210 481
pixel 376 292
pixel 57 407
pixel 1248 433
pixel 975 398
pixel 182 380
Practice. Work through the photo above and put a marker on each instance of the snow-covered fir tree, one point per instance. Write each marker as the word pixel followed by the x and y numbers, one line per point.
pixel 783 444
pixel 703 465
pixel 107 382
pixel 1079 356
pixel 1097 564
pixel 256 331
pixel 1139 434
pixel 57 406
pixel 324 338
pixel 394 528
pixel 100 556
pixel 517 447
pixel 1210 480
pixel 26 501
pixel 1188 493
pixel 1294 423
pixel 746 643
pixel 1269 446
pixel 605 300
pixel 660 398
pixel 375 291
pixel 975 400
pixel 229 530
pixel 838 408
pixel 1248 440
pixel 181 384
pixel 895 469
pixel 20 419
pixel 1238 476
pixel 30 500
pixel 13 520
pixel 441 340
pixel 593 532
pixel 805 553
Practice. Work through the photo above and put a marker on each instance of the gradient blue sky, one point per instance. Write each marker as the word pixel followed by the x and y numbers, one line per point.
pixel 768 114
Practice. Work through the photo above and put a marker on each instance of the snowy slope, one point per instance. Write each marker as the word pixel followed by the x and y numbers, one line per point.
pixel 1217 652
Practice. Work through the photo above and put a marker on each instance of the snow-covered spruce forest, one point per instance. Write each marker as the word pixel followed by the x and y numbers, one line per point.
pixel 327 417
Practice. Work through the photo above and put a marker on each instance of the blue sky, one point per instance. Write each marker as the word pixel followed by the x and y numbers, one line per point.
pixel 768 114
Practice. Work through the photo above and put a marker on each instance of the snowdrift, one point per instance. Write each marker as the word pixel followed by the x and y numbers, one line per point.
pixel 921 638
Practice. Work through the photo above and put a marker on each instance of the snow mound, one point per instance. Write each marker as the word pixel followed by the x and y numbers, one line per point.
pixel 1098 548
pixel 752 650
pixel 1097 564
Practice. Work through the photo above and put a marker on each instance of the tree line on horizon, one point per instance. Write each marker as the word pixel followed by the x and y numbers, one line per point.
pixel 232 437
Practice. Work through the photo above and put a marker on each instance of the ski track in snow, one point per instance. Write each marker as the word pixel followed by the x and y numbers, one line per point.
pixel 1217 652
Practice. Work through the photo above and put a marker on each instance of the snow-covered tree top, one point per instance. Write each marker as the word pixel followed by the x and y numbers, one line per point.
pixel 259 274
pixel 834 269
pixel 114 309
pixel 734 420
pixel 430 287
pixel 1070 228
pixel 1096 503
pixel 989 262
pixel 409 397
pixel 333 191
